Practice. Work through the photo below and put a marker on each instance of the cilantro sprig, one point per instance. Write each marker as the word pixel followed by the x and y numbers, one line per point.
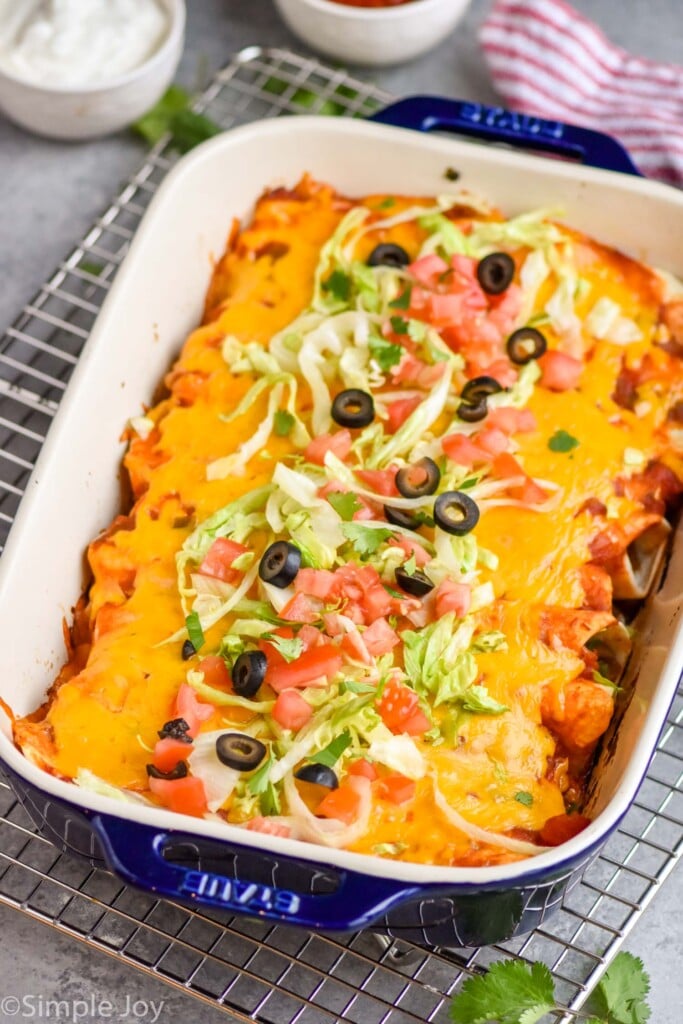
pixel 513 992
pixel 562 441
pixel 173 115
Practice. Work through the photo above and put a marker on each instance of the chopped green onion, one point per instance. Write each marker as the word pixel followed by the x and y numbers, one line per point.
pixel 194 630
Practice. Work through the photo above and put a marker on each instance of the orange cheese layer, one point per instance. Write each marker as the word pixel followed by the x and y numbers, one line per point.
pixel 105 714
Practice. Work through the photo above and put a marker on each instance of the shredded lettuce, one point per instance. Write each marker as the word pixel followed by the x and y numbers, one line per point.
pixel 445 237
pixel 479 700
pixel 606 320
pixel 223 699
pixel 219 780
pixel 419 421
pixel 334 255
pixel 94 784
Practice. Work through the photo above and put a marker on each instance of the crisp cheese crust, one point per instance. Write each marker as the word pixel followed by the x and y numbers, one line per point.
pixel 460 716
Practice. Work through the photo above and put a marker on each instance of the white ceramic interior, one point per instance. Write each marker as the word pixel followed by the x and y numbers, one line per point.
pixel 87 111
pixel 372 36
pixel 157 299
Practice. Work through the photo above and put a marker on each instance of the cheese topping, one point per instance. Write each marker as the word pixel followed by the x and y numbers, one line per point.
pixel 455 677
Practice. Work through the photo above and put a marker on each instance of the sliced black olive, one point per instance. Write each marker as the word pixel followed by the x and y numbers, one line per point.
pixel 480 387
pixel 248 673
pixel 353 408
pixel 280 563
pixel 388 255
pixel 525 344
pixel 399 517
pixel 419 479
pixel 239 751
pixel 188 650
pixel 320 774
pixel 179 772
pixel 495 272
pixel 417 585
pixel 175 729
pixel 456 513
pixel 473 413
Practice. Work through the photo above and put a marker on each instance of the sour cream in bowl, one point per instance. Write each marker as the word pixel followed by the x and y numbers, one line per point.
pixel 79 68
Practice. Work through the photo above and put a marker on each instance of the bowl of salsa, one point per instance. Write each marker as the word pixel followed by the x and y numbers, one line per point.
pixel 374 33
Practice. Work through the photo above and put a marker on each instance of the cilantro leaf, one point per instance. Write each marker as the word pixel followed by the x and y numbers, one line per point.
pixel 387 203
pixel 403 300
pixel 561 441
pixel 344 503
pixel 620 995
pixel 330 754
pixel 259 781
pixel 385 353
pixel 194 630
pixel 524 798
pixel 90 267
pixel 510 992
pixel 284 421
pixel 399 325
pixel 172 114
pixel 366 539
pixel 289 647
pixel 339 285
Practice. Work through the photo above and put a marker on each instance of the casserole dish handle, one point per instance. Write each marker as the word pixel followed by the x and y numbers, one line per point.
pixel 136 853
pixel 496 124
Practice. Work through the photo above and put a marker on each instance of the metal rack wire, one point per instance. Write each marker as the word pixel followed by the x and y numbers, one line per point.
pixel 253 970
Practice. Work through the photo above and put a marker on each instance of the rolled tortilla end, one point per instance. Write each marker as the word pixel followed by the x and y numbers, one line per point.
pixel 634 571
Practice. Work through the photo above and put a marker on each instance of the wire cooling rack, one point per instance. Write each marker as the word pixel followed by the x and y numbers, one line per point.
pixel 256 971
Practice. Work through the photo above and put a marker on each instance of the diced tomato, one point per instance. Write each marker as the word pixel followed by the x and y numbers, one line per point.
pixel 412 548
pixel 511 420
pixel 317 663
pixel 189 707
pixel 311 636
pixel 462 450
pixel 445 309
pixel 363 768
pixel 185 796
pixel 379 638
pixel 452 597
pixel 291 711
pixel 338 443
pixel 506 465
pixel 504 308
pixel 416 724
pixel 396 788
pixel 428 269
pixel 168 752
pixel 528 491
pixel 492 440
pixel 562 828
pixel 268 827
pixel 343 803
pixel 383 481
pixel 501 370
pixel 399 411
pixel 215 672
pixel 219 558
pixel 299 609
pixel 560 372
pixel 320 583
pixel 407 370
pixel 397 705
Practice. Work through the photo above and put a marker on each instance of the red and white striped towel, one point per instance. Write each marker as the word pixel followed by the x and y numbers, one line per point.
pixel 547 59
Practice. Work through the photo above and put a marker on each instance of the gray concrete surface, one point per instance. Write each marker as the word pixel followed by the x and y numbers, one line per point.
pixel 50 193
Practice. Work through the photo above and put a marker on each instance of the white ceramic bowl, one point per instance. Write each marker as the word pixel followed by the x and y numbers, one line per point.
pixel 81 112
pixel 374 36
